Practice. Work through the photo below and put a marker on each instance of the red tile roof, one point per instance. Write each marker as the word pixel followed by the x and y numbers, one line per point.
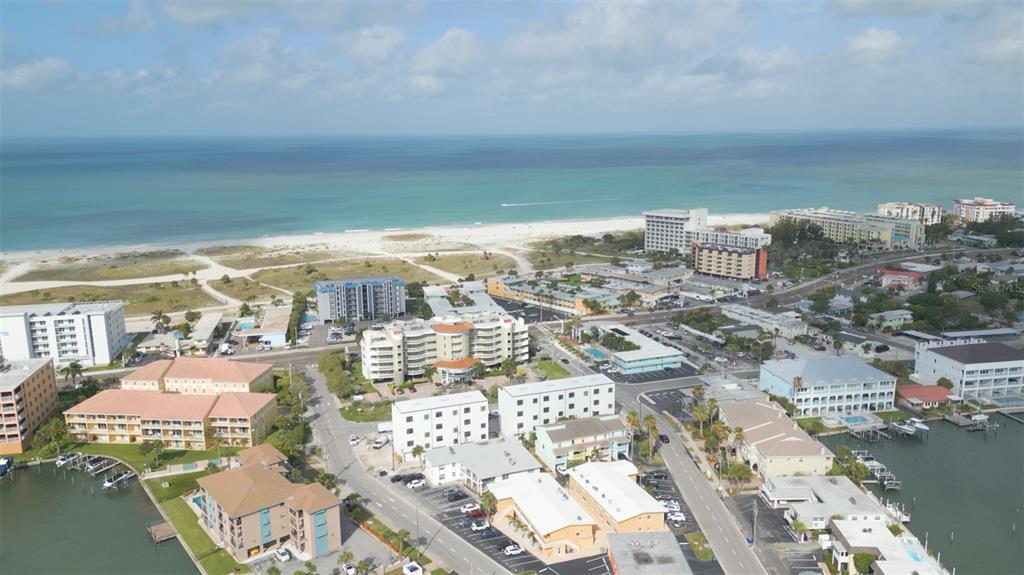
pixel 925 393
pixel 452 327
pixel 457 363
pixel 914 275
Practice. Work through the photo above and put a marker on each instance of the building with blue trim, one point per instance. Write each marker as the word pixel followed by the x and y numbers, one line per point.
pixel 360 299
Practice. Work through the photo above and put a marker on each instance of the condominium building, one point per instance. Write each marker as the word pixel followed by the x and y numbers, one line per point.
pixel 608 491
pixel 602 438
pixel 200 376
pixel 360 299
pixel 438 421
pixel 549 294
pixel 981 209
pixel 829 385
pixel 787 325
pixel 176 420
pixel 977 370
pixel 865 229
pixel 28 395
pixel 525 406
pixel 671 229
pixel 89 333
pixel 814 500
pixel 560 526
pixel 893 554
pixel 647 354
pixel 927 214
pixel 253 509
pixel 454 344
pixel 733 262
pixel 478 465
pixel 773 444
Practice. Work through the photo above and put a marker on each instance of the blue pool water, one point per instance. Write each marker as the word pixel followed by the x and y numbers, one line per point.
pixel 198 500
pixel 596 354
pixel 914 555
pixel 1007 400
pixel 855 419
pixel 309 318
pixel 246 325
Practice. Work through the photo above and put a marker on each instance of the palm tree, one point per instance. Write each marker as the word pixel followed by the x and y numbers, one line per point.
pixel 738 436
pixel 698 393
pixel 509 368
pixel 633 424
pixel 157 317
pixel 712 408
pixel 799 528
pixel 651 427
pixel 363 567
pixel 428 373
pixel 211 438
pixel 72 371
pixel 701 414
pixel 402 541
pixel 488 503
pixel 798 383
pixel 345 556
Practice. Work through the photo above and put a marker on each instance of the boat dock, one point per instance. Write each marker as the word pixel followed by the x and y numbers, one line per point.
pixel 884 477
pixel 1013 414
pixel 162 531
pixel 104 465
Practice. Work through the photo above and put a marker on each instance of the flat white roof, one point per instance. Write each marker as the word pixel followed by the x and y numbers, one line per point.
pixel 12 373
pixel 545 505
pixel 274 321
pixel 564 384
pixel 53 309
pixel 439 401
pixel 609 484
pixel 486 459
pixel 649 349
pixel 204 328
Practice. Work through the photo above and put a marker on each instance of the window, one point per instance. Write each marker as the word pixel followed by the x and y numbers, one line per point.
pixel 438 414
pixel 438 426
pixel 466 410
pixel 409 431
pixel 408 419
pixel 439 438
pixel 519 402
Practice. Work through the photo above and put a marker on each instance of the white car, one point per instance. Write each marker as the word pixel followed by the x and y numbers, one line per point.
pixel 479 525
pixel 416 484
pixel 561 469
pixel 353 439
pixel 282 554
pixel 412 568
pixel 676 516
pixel 512 550
pixel 669 506
pixel 350 569
pixel 468 507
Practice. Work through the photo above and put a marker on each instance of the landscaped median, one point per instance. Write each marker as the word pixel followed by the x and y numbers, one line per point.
pixel 396 541
pixel 699 543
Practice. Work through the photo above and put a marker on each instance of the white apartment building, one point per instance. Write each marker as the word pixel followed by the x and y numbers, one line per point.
pixel 439 421
pixel 679 229
pixel 787 325
pixel 525 406
pixel 829 386
pixel 453 344
pixel 977 369
pixel 851 227
pixel 91 333
pixel 981 209
pixel 927 214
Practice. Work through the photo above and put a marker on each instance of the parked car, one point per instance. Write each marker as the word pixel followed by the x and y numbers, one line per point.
pixel 657 475
pixel 380 442
pixel 565 361
pixel 488 533
pixel 512 549
pixel 676 516
pixel 671 507
pixel 349 569
pixel 416 484
pixel 455 496
pixel 398 478
pixel 353 439
pixel 475 514
pixel 479 525
pixel 448 491
pixel 282 554
pixel 413 477
pixel 561 469
pixel 467 507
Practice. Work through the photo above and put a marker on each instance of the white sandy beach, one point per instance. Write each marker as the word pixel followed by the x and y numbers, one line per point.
pixel 484 236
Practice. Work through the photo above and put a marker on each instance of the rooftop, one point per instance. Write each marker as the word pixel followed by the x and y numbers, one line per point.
pixel 649 348
pixel 211 368
pixel 545 505
pixel 980 353
pixel 486 459
pixel 995 332
pixel 896 555
pixel 49 309
pixel 456 363
pixel 610 485
pixel 207 324
pixel 823 496
pixel 925 393
pixel 245 490
pixel 241 404
pixel 767 428
pixel 437 298
pixel 274 320
pixel 13 372
pixel 146 404
pixel 604 425
pixel 654 553
pixel 824 370
pixel 564 384
pixel 439 401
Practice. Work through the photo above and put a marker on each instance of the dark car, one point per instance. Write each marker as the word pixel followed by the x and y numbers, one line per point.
pixel 398 478
pixel 464 522
pixel 663 438
pixel 882 348
pixel 382 473
pixel 412 477
pixel 488 533
pixel 456 496
pixel 565 361
pixel 475 514
pixel 657 475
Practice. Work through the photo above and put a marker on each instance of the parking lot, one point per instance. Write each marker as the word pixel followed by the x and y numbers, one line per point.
pixel 649 376
pixel 670 401
pixel 773 536
pixel 530 313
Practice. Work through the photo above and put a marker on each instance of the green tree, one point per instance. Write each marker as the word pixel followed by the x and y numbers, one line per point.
pixel 345 557
pixel 225 279
pixel 363 567
pixel 211 438
pixel 651 427
pixel 509 368
pixel 327 479
pixel 945 382
pixel 51 435
pixel 698 392
pixel 799 528
pixel 701 414
pixel 863 562
pixel 273 570
pixel 72 371
pixel 192 316
pixel 633 424
pixel 310 567
pixel 479 370
pixel 488 503
pixel 157 318
pixel 244 310
pixel 151 448
pixel 428 373
pixel 417 451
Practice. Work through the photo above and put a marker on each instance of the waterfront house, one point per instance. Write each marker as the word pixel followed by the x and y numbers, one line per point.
pixel 608 491
pixel 573 440
pixel 917 397
pixel 773 444
pixel 829 385
pixel 894 554
pixel 28 396
pixel 254 508
pixel 978 370
pixel 814 501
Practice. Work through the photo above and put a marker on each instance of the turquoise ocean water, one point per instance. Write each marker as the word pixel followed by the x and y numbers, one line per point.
pixel 96 192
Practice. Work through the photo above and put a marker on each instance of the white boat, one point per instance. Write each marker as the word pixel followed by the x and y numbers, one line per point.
pixel 903 427
pixel 116 478
pixel 979 417
pixel 918 423
pixel 64 458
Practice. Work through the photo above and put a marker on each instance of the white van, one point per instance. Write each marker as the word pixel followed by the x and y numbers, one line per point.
pixel 381 441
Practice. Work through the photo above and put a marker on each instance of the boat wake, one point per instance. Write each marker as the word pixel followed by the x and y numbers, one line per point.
pixel 541 203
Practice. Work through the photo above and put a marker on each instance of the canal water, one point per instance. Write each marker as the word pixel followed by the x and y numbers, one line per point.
pixel 964 489
pixel 52 525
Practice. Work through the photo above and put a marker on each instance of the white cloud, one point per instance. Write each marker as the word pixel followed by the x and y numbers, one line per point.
pixel 376 43
pixel 34 74
pixel 457 51
pixel 897 7
pixel 138 19
pixel 427 85
pixel 210 12
pixel 875 46
pixel 1008 49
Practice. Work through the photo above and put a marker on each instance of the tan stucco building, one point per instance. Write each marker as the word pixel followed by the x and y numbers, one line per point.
pixel 199 376
pixel 608 491
pixel 773 444
pixel 559 525
pixel 254 508
pixel 28 395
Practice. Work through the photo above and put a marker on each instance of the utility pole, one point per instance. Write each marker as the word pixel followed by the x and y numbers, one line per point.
pixel 753 528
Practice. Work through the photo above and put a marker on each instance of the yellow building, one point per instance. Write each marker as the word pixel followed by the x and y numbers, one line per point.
pixel 199 376
pixel 560 527
pixel 608 491
pixel 254 508
pixel 28 395
pixel 128 416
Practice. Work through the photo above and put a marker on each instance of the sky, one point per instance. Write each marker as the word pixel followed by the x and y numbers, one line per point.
pixel 185 67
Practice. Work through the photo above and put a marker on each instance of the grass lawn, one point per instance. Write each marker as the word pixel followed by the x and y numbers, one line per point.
pixel 699 543
pixel 894 415
pixel 214 560
pixel 296 278
pixel 641 449
pixel 546 259
pixel 129 453
pixel 248 257
pixel 139 299
pixel 178 485
pixel 117 267
pixel 552 370
pixel 380 411
pixel 244 288
pixel 465 264
pixel 407 237
pixel 815 425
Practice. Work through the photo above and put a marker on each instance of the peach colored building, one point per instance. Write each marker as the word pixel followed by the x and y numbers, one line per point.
pixel 608 491
pixel 28 395
pixel 559 525
pixel 254 508
pixel 128 416
pixel 199 376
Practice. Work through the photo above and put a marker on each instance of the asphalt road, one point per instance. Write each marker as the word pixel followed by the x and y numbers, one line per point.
pixel 394 506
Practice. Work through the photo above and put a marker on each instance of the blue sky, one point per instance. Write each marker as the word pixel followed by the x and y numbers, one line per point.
pixel 184 67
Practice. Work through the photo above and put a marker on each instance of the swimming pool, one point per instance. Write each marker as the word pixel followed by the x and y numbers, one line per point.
pixel 914 555
pixel 246 325
pixel 198 500
pixel 308 318
pixel 855 419
pixel 1004 401
pixel 597 354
